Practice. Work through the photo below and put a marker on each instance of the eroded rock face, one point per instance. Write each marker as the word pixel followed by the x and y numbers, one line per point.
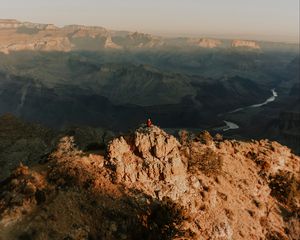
pixel 27 36
pixel 149 159
pixel 245 43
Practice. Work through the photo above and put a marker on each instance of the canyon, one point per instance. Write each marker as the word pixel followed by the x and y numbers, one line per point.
pixel 220 159
pixel 89 75
pixel 21 36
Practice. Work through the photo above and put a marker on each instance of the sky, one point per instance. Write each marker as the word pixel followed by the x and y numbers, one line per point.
pixel 272 20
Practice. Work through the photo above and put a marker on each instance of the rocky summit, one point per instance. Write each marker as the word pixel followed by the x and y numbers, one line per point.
pixel 150 185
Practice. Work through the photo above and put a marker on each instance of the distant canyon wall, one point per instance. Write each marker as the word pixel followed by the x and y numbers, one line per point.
pixel 245 43
pixel 20 36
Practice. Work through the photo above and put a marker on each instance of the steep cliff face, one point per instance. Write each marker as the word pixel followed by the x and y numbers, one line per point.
pixel 149 185
pixel 245 44
pixel 25 36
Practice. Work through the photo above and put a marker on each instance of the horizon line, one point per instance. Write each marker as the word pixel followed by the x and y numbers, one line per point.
pixel 157 33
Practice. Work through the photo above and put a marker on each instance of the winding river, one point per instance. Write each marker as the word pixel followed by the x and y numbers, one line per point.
pixel 231 125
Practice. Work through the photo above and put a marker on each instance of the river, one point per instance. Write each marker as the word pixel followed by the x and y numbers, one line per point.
pixel 232 125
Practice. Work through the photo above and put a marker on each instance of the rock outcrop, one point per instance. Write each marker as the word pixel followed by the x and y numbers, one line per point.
pixel 149 161
pixel 151 186
pixel 110 44
pixel 245 44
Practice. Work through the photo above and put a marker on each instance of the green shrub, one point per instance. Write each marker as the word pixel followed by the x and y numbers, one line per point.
pixel 207 161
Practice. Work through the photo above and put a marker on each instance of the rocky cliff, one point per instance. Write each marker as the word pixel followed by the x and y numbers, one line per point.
pixel 149 185
pixel 245 44
pixel 95 38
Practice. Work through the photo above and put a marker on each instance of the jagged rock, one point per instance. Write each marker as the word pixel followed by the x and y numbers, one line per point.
pixel 153 142
pixel 151 159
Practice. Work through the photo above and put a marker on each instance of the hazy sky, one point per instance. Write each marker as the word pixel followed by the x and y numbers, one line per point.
pixel 276 20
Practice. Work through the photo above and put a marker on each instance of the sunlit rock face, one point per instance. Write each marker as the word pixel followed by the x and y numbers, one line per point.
pixel 245 43
pixel 149 160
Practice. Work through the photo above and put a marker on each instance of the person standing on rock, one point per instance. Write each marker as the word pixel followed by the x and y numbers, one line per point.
pixel 149 123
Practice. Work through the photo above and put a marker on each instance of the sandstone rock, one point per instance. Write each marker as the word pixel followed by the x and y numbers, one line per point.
pixel 151 160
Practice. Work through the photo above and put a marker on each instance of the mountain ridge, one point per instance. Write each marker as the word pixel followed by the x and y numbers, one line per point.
pixel 22 36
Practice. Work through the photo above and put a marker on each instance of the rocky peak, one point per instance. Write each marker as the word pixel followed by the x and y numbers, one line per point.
pixel 149 159
pixel 203 188
pixel 153 142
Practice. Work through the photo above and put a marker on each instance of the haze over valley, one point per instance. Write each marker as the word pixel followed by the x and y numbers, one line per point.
pixel 81 75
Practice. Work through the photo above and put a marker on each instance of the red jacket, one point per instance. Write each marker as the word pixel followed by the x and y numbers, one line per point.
pixel 149 123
